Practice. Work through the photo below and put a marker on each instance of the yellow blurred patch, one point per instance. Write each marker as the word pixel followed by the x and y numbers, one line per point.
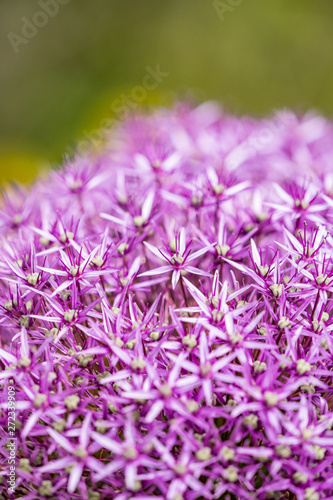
pixel 104 110
pixel 19 167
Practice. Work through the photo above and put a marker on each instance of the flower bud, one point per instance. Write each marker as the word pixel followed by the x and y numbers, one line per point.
pixel 203 454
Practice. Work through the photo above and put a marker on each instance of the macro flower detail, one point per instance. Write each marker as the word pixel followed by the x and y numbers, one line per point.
pixel 178 261
pixel 166 315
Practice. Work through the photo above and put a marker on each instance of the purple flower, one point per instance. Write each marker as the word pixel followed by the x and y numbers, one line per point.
pixel 165 314
pixel 178 258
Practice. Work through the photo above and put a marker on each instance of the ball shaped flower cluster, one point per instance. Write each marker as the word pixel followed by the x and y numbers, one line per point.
pixel 166 314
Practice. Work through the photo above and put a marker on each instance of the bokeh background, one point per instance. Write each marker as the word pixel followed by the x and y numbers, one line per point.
pixel 61 83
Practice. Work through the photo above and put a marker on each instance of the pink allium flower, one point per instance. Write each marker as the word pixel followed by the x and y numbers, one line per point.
pixel 165 314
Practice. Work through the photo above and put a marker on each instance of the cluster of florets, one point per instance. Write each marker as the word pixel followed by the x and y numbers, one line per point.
pixel 166 314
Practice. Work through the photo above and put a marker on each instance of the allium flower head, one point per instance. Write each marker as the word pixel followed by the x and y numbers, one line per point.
pixel 165 314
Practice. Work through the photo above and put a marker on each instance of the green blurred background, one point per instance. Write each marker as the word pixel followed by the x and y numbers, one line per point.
pixel 258 56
